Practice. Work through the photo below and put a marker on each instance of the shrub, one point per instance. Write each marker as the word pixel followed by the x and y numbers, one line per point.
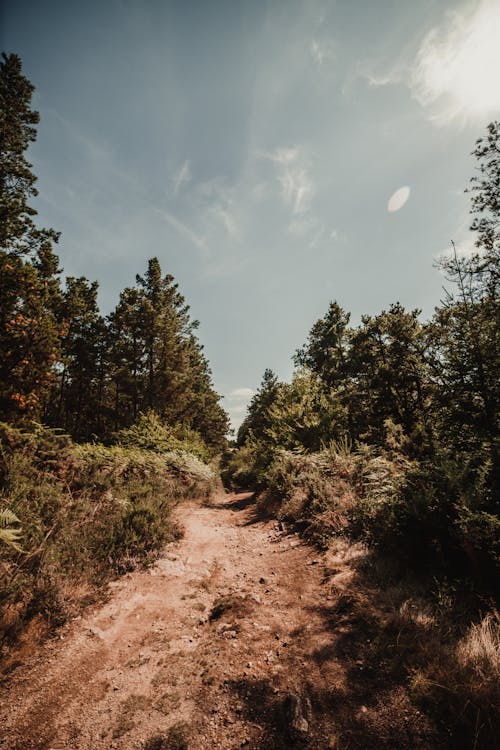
pixel 150 433
pixel 328 493
pixel 87 513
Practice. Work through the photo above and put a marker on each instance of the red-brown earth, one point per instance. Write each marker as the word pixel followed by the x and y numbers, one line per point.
pixel 240 635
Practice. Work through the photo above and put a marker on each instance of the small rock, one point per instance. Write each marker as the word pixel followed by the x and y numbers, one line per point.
pixel 297 715
pixel 262 580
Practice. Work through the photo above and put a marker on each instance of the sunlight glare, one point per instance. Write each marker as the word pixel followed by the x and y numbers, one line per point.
pixel 462 63
pixel 398 199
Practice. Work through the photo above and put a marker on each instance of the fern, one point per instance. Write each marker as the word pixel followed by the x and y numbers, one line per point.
pixel 9 535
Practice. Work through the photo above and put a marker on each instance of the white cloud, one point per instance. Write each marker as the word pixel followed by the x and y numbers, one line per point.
pixel 294 176
pixel 303 225
pixel 225 217
pixel 398 199
pixel 456 69
pixel 388 79
pixel 183 230
pixel 237 410
pixel 321 52
pixel 241 393
pixel 182 176
pixel 298 188
pixel 317 237
pixel 218 202
pixel 281 155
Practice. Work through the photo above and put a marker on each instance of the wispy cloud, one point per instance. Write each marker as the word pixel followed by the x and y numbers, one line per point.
pixel 294 176
pixel 183 230
pixel 321 52
pixel 317 237
pixel 298 188
pixel 219 204
pixel 282 155
pixel 387 79
pixel 228 221
pixel 182 176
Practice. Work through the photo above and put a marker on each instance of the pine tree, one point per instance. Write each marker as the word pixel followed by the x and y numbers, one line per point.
pixel 466 326
pixel 29 287
pixel 156 361
pixel 258 418
pixel 76 397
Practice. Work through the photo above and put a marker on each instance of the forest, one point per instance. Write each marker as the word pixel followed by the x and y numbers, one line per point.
pixel 64 363
pixel 386 436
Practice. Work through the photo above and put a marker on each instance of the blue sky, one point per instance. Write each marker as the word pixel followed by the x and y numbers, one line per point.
pixel 275 155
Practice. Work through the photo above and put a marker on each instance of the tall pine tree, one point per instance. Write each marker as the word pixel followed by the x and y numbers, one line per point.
pixel 29 287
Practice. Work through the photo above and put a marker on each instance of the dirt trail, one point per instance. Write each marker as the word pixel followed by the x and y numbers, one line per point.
pixel 237 637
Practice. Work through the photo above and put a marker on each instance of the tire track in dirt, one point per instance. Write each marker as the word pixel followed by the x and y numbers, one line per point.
pixel 235 638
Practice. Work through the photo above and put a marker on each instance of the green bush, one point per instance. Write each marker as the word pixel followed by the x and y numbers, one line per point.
pixel 436 517
pixel 244 468
pixel 324 492
pixel 440 519
pixel 87 513
pixel 150 433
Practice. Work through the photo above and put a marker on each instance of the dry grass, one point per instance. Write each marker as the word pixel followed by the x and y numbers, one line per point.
pixel 479 651
pixel 128 710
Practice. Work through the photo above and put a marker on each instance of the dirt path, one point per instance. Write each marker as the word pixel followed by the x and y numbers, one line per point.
pixel 235 638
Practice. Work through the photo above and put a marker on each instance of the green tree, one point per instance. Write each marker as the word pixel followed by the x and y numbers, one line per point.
pixel 326 352
pixel 76 400
pixel 305 414
pixel 258 417
pixel 156 361
pixel 390 379
pixel 466 326
pixel 29 286
pixel 485 207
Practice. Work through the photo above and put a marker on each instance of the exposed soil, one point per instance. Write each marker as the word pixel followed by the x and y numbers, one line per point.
pixel 241 635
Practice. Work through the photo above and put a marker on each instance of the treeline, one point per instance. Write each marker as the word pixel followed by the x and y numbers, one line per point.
pixel 423 395
pixel 64 363
pixel 74 515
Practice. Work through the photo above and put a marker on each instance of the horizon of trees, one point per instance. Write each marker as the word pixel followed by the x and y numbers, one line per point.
pixel 420 396
pixel 63 362
pixel 437 381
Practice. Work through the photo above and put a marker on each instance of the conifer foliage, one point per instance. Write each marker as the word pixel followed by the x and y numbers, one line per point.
pixel 29 290
pixel 63 362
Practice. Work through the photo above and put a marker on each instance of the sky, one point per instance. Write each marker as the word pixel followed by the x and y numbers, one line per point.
pixel 275 155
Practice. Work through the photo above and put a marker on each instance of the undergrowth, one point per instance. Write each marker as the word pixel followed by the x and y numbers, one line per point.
pixel 424 545
pixel 86 514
